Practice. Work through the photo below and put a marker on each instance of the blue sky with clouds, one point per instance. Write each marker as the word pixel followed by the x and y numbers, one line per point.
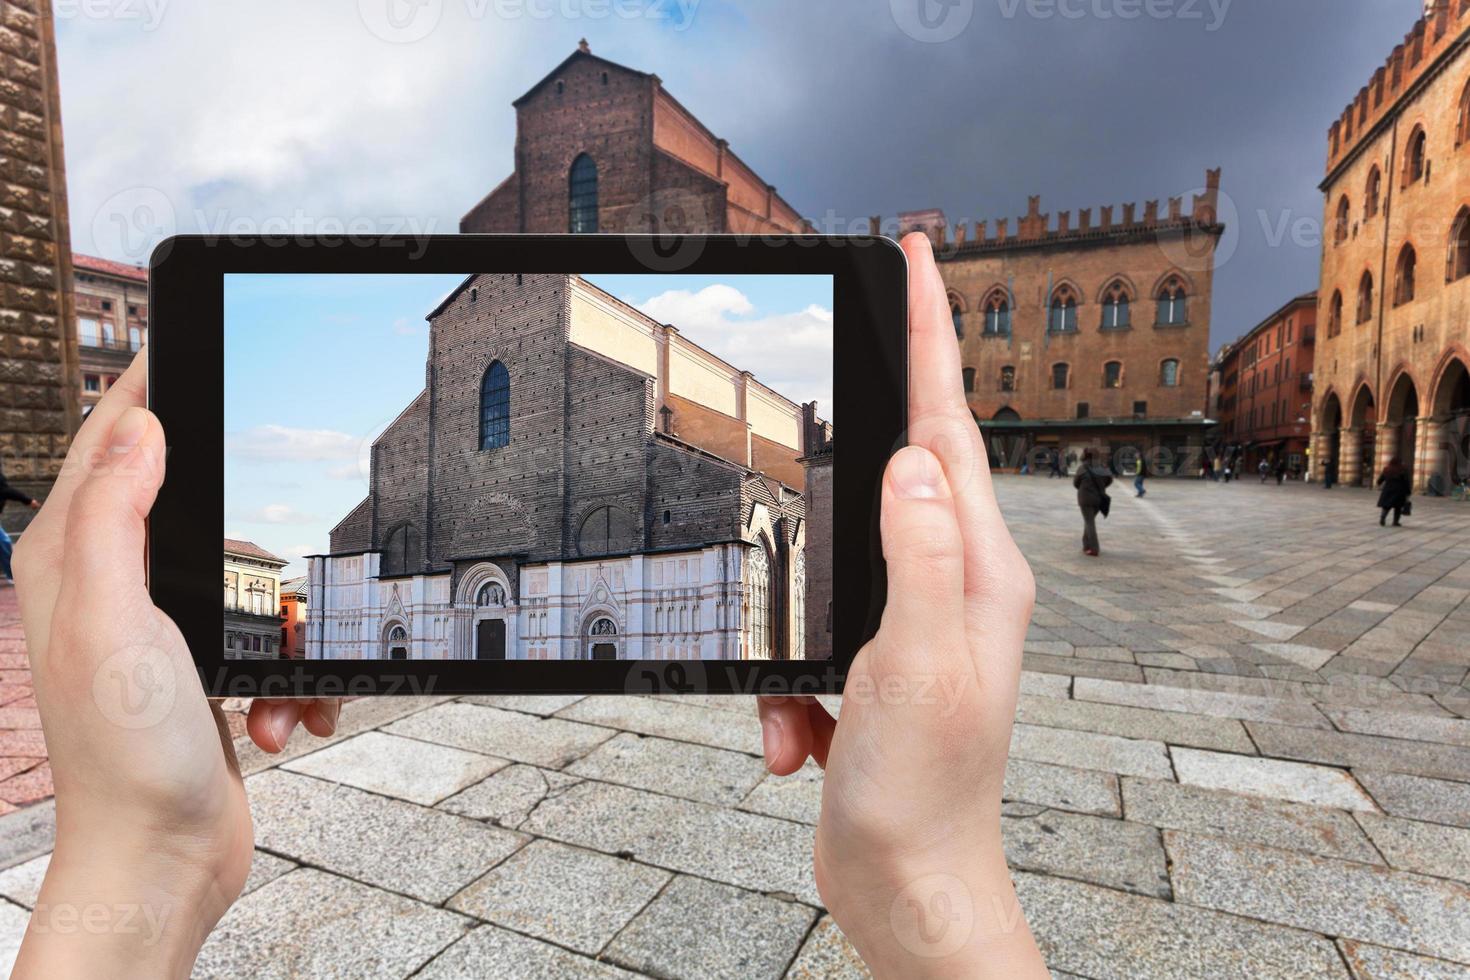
pixel 397 113
pixel 316 366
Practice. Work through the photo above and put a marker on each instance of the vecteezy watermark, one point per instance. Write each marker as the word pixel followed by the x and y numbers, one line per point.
pixel 147 13
pixel 932 21
pixel 132 221
pixel 933 916
pixel 135 688
pixel 407 21
pixel 101 919
pixel 1211 13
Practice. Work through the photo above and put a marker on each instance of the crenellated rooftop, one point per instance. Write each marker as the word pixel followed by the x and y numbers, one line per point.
pixel 1443 27
pixel 1037 227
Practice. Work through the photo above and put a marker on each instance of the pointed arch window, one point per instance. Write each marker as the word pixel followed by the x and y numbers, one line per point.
pixel 1169 373
pixel 1008 378
pixel 1334 314
pixel 1060 374
pixel 1459 258
pixel 1342 221
pixel 1416 157
pixel 997 314
pixel 582 192
pixel 1063 313
pixel 495 407
pixel 1173 304
pixel 759 597
pixel 1373 194
pixel 1462 122
pixel 1365 297
pixel 957 316
pixel 1116 307
pixel 1403 278
pixel 1113 374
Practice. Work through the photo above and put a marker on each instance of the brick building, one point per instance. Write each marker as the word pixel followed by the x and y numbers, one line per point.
pixel 1393 368
pixel 112 321
pixel 252 597
pixel 1093 334
pixel 1266 388
pixel 601 147
pixel 39 404
pixel 293 617
pixel 575 481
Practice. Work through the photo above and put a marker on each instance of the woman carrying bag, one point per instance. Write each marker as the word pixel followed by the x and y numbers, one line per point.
pixel 1093 499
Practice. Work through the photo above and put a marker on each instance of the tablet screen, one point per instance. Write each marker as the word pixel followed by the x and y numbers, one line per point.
pixel 508 466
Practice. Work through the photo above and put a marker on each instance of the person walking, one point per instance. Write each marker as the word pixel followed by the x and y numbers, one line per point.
pixel 1092 497
pixel 1395 493
pixel 1329 472
pixel 1263 468
pixel 8 493
pixel 1138 475
pixel 1280 470
pixel 1055 459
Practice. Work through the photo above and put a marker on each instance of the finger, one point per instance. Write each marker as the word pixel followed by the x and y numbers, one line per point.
pixel 271 721
pixel 823 726
pixel 786 736
pixel 934 355
pixel 320 716
pixel 39 558
pixel 925 555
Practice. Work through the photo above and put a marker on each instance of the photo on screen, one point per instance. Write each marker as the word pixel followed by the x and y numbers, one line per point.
pixel 506 466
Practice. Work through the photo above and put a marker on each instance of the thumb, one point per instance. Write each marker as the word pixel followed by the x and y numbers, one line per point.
pixel 924 552
pixel 103 564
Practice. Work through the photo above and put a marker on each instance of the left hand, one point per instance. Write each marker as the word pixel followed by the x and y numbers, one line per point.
pixel 153 832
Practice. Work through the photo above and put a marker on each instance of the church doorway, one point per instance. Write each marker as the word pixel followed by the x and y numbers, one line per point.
pixel 398 643
pixel 602 639
pixel 490 639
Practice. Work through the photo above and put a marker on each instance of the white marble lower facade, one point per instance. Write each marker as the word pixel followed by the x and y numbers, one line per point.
pixel 686 605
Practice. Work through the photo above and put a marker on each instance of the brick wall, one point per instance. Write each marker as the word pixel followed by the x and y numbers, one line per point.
pixel 39 382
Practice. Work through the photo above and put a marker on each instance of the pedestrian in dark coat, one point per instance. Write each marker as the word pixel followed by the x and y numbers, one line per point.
pixel 1092 483
pixel 1395 493
pixel 8 492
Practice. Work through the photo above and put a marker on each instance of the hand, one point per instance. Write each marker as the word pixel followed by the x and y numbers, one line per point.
pixel 153 833
pixel 908 853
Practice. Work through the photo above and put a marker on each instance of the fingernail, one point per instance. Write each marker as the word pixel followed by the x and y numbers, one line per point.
pixel 916 474
pixel 128 429
pixel 771 738
pixel 283 719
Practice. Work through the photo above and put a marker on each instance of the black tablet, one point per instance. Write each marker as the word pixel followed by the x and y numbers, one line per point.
pixel 475 464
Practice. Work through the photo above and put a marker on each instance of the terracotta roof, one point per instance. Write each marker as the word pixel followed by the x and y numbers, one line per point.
pixel 107 267
pixel 249 549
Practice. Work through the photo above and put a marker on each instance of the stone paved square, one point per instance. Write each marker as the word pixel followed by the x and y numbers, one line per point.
pixel 1241 725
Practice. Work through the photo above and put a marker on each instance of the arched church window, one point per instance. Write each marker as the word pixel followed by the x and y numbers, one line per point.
pixel 582 194
pixel 495 407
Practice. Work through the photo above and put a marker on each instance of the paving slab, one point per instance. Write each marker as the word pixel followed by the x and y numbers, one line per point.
pixel 573 897
pixel 427 854
pixel 1428 848
pixel 13 922
pixel 1062 787
pixel 534 704
pixel 407 768
pixel 508 797
pixel 1198 701
pixel 1088 750
pixel 745 849
pixel 796 797
pixel 827 955
pixel 310 924
pixel 1418 797
pixel 1252 819
pixel 1271 778
pixel 1104 851
pixel 695 772
pixel 1367 751
pixel 1175 728
pixel 721 729
pixel 1111 935
pixel 490 953
pixel 549 742
pixel 700 928
pixel 1046 685
pixel 1376 963
pixel 356 717
pixel 1339 898
pixel 1397 724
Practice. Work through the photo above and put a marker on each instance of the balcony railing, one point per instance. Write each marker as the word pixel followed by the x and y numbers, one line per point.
pixel 110 343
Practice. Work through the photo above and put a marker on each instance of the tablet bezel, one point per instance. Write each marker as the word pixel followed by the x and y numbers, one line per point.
pixel 186 385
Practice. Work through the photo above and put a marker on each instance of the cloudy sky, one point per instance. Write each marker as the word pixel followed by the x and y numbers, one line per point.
pixel 395 114
pixel 294 467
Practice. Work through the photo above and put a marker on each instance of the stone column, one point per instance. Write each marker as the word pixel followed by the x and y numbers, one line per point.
pixel 1350 466
pixel 1386 446
pixel 1321 443
pixel 1431 453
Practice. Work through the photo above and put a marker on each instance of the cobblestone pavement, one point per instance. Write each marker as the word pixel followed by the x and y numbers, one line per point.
pixel 1242 750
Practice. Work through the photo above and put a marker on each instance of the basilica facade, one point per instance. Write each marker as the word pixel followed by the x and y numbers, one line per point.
pixel 576 481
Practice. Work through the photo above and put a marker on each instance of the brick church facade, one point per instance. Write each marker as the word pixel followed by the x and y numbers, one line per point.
pixel 576 481
pixel 1392 366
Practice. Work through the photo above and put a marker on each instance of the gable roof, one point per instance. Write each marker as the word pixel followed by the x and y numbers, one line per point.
pixel 249 549
pixel 582 52
pixel 107 267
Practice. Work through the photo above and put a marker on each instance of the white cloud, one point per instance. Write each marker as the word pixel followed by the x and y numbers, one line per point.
pixel 276 514
pixel 790 352
pixel 277 443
